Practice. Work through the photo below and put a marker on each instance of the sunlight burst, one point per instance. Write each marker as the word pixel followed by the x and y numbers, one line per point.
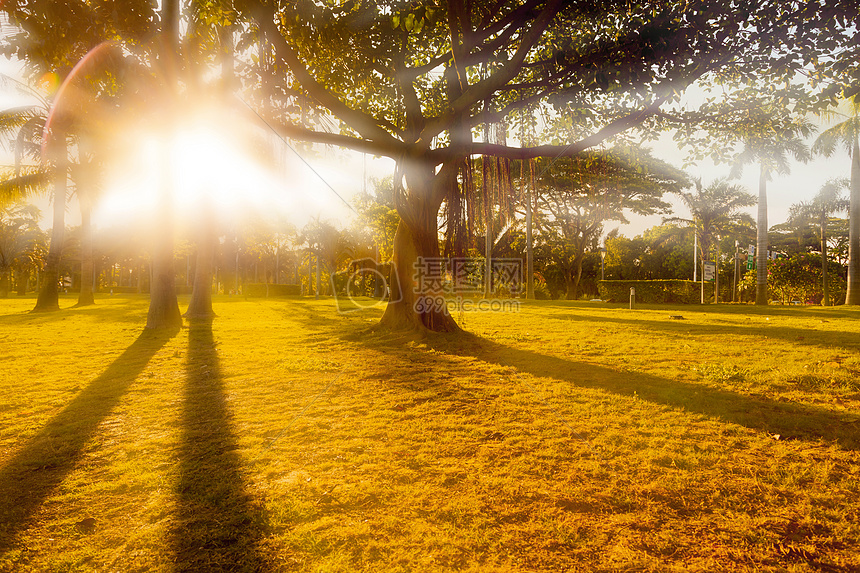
pixel 234 168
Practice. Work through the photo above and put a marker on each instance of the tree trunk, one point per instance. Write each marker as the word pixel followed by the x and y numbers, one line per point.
pixel 49 296
pixel 530 267
pixel 574 277
pixel 761 242
pixel 853 294
pixel 717 274
pixel 23 281
pixel 825 282
pixel 570 286
pixel 415 304
pixel 310 273
pixel 200 305
pixel 317 291
pixel 85 297
pixel 163 304
pixel 4 283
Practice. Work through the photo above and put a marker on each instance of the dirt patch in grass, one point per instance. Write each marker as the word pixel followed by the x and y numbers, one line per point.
pixel 286 437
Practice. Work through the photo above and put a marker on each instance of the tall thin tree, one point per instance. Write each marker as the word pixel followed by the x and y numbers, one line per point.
pixel 770 147
pixel 846 134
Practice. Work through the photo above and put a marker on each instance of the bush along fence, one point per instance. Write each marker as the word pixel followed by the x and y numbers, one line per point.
pixel 264 289
pixel 656 291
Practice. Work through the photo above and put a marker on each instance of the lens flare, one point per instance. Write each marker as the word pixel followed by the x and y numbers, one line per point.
pixel 50 83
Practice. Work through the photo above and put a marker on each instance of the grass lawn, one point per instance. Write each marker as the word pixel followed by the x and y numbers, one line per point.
pixel 563 437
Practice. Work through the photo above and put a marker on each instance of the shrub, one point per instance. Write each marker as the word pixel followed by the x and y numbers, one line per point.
pixel 798 278
pixel 122 290
pixel 267 289
pixel 655 291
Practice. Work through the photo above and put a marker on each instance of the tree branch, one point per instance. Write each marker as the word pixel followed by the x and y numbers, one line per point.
pixel 484 88
pixel 487 50
pixel 362 123
pixel 386 149
pixel 614 128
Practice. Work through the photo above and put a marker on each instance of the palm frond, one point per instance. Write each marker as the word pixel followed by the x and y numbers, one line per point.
pixel 13 119
pixel 30 180
pixel 840 135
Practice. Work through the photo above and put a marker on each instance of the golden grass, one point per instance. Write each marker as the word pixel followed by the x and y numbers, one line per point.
pixel 568 436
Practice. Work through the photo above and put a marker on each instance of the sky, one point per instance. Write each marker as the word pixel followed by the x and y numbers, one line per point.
pixel 315 184
pixel 802 184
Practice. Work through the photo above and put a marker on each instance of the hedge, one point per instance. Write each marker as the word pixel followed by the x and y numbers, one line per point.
pixel 264 289
pixel 656 291
pixel 119 290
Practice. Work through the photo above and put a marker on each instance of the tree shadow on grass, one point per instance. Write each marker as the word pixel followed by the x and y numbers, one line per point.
pixel 46 459
pixel 790 420
pixel 133 312
pixel 803 336
pixel 804 311
pixel 218 527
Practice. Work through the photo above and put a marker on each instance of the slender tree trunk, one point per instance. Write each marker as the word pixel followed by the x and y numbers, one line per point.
pixel 414 303
pixel 319 276
pixel 200 305
pixel 853 294
pixel 825 281
pixel 5 280
pixel 488 225
pixel 85 297
pixel 717 274
pixel 530 269
pixel 49 296
pixel 163 304
pixel 310 273
pixel 761 242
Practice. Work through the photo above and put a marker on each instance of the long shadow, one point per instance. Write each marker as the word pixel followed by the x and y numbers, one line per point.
pixel 47 458
pixel 218 527
pixel 131 312
pixel 804 311
pixel 790 420
pixel 803 336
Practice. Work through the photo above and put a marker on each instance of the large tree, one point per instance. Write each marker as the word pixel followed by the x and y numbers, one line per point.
pixel 413 81
pixel 576 196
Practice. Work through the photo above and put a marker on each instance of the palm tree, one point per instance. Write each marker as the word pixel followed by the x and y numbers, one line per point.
pixel 25 127
pixel 846 134
pixel 828 201
pixel 771 148
pixel 19 240
pixel 714 210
